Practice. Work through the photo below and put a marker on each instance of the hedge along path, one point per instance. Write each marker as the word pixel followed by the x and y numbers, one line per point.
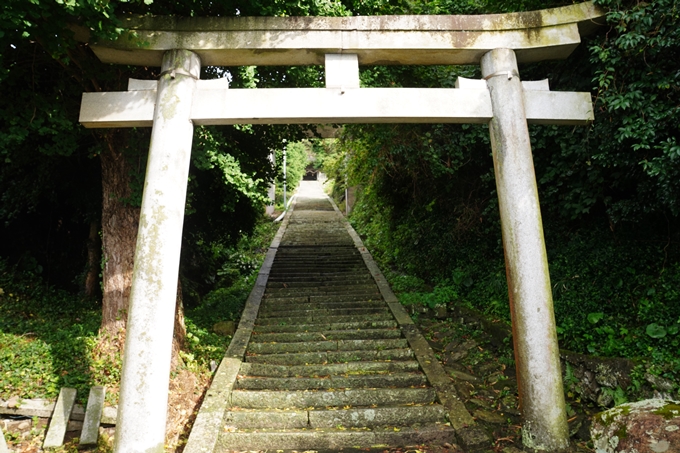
pixel 325 357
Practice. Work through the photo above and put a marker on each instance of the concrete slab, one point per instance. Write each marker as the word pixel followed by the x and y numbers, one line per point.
pixel 60 416
pixel 235 41
pixel 3 442
pixel 93 415
pixel 326 105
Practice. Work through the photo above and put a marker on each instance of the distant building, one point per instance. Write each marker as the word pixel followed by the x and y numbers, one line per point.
pixel 311 174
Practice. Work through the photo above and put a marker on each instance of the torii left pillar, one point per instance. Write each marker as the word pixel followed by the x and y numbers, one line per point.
pixel 145 377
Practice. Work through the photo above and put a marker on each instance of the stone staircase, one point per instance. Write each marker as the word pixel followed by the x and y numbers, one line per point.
pixel 326 364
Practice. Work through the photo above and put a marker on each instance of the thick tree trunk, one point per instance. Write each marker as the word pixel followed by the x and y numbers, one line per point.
pixel 93 260
pixel 119 237
pixel 119 234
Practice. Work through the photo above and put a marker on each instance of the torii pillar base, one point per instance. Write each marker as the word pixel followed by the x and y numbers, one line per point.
pixel 148 347
pixel 533 320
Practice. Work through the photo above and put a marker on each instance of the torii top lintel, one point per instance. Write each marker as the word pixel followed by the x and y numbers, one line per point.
pixel 399 40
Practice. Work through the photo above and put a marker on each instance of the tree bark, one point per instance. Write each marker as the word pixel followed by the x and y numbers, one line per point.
pixel 180 332
pixel 119 233
pixel 120 222
pixel 93 260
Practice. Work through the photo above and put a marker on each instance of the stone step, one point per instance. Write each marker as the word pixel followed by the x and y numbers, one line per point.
pixel 328 250
pixel 311 267
pixel 324 301
pixel 327 345
pixel 349 294
pixel 326 335
pixel 321 278
pixel 308 253
pixel 316 370
pixel 342 289
pixel 274 306
pixel 315 273
pixel 314 259
pixel 312 256
pixel 333 382
pixel 379 416
pixel 321 283
pixel 331 241
pixel 325 312
pixel 321 319
pixel 395 416
pixel 286 300
pixel 282 399
pixel 329 438
pixel 316 327
pixel 303 358
pixel 344 298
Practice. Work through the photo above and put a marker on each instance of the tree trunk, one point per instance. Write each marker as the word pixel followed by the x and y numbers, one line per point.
pixel 119 233
pixel 120 221
pixel 93 260
pixel 180 332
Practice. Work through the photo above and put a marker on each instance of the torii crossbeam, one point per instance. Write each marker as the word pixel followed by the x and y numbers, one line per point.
pixel 173 104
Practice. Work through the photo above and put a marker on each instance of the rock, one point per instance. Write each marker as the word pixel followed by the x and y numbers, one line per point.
pixel 457 355
pixel 461 351
pixel 659 383
pixel 488 368
pixel 225 328
pixel 435 345
pixel 604 399
pixel 509 404
pixel 511 450
pixel 74 425
pixel 24 425
pixel 489 417
pixel 648 426
pixel 480 403
pixel 473 438
pixel 463 376
pixel 452 345
pixel 464 389
pixel 609 372
pixel 497 380
pixel 13 402
pixel 453 366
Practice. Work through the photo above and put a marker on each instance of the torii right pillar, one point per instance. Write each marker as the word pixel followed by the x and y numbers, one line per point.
pixel 531 306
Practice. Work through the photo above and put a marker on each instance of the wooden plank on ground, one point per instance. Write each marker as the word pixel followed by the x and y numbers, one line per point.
pixel 93 415
pixel 60 416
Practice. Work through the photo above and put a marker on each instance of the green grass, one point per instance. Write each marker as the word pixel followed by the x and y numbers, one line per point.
pixel 49 338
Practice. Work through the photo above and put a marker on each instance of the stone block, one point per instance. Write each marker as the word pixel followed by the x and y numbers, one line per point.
pixel 648 426
pixel 60 416
pixel 93 416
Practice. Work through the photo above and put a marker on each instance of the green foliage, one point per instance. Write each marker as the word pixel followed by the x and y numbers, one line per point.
pixel 46 339
pixel 49 338
pixel 441 296
pixel 297 158
pixel 225 303
pixel 209 154
pixel 232 283
pixel 637 81
pixel 427 207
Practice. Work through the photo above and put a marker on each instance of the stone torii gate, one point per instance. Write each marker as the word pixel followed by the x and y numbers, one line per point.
pixel 173 104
